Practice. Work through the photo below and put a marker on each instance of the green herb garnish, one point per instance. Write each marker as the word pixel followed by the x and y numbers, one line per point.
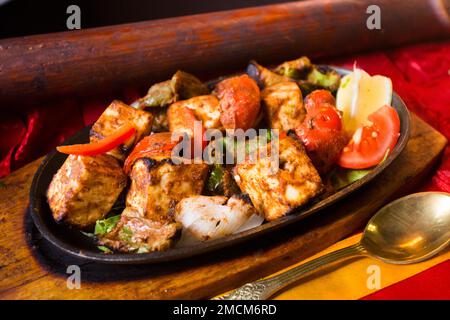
pixel 104 249
pixel 105 226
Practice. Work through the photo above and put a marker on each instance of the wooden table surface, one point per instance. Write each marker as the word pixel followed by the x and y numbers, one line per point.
pixel 31 268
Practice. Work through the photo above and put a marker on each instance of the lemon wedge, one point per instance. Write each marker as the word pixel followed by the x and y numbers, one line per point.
pixel 359 95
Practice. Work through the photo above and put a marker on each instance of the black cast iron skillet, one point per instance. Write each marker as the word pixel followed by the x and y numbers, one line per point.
pixel 77 244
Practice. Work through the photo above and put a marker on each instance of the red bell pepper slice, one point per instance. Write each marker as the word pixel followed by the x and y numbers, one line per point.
pixel 102 146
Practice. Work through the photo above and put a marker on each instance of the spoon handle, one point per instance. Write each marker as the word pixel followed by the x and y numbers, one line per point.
pixel 263 289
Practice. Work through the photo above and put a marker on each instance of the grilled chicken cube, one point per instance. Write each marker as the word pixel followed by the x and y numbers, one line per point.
pixel 277 191
pixel 85 188
pixel 156 187
pixel 113 118
pixel 283 105
pixel 213 217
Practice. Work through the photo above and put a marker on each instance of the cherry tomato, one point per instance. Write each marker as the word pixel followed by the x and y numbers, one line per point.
pixel 324 117
pixel 239 102
pixel 370 143
pixel 317 98
pixel 322 145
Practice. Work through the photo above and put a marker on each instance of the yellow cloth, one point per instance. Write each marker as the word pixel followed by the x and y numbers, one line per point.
pixel 350 279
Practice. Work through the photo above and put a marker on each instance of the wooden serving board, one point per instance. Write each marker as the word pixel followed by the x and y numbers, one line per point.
pixel 31 268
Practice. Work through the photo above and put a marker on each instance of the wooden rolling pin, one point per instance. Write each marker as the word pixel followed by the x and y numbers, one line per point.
pixel 93 61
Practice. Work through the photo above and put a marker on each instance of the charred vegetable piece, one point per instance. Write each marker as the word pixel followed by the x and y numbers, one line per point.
pixel 221 182
pixel 295 69
pixel 263 76
pixel 157 146
pixel 214 217
pixel 186 86
pixel 307 87
pixel 160 94
pixel 160 120
pixel 182 86
pixel 215 178
pixel 324 77
pixel 101 146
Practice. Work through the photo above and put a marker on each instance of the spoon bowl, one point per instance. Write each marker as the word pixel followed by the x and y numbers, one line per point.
pixel 410 229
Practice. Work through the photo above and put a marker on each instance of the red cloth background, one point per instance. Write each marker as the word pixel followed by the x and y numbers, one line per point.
pixel 420 75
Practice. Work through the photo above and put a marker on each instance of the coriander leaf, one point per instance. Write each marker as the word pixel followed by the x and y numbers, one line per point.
pixel 104 249
pixel 106 225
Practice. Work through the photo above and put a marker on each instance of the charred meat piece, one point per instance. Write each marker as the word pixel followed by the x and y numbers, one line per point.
pixel 277 191
pixel 85 188
pixel 283 105
pixel 263 76
pixel 214 217
pixel 239 102
pixel 114 117
pixel 147 223
pixel 295 69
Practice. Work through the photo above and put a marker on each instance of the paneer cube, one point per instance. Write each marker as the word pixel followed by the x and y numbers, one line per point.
pixel 283 105
pixel 147 223
pixel 113 118
pixel 275 193
pixel 203 108
pixel 85 188
pixel 157 186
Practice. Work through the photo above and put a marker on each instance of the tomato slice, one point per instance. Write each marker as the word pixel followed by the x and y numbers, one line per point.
pixel 102 146
pixel 370 143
